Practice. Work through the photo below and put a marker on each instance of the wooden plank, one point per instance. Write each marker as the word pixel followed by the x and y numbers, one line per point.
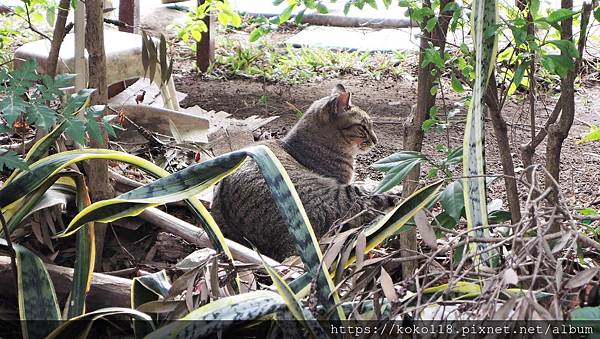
pixel 127 14
pixel 205 49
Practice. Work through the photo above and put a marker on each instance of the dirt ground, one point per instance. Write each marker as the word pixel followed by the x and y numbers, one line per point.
pixel 389 102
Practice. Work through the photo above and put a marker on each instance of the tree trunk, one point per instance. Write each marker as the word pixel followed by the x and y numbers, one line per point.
pixel 57 37
pixel 413 131
pixel 501 133
pixel 558 131
pixel 105 290
pixel 97 170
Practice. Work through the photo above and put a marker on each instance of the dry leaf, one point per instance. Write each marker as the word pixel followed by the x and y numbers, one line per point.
pixel 361 244
pixel 425 229
pixel 387 285
pixel 583 277
pixel 511 277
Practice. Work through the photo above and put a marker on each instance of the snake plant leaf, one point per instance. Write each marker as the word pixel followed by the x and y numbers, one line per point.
pixel 85 256
pixel 81 326
pixel 16 213
pixel 398 217
pixel 293 304
pixel 35 293
pixel 383 228
pixel 194 179
pixel 46 168
pixel 222 314
pixel 483 15
pixel 144 289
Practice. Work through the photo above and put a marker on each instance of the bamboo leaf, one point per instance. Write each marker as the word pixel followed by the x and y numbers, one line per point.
pixel 145 54
pixel 163 59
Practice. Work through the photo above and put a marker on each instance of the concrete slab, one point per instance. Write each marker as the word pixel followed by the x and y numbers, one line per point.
pixel 151 98
pixel 368 16
pixel 357 39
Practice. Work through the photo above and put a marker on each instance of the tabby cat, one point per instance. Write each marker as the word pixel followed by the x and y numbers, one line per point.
pixel 318 155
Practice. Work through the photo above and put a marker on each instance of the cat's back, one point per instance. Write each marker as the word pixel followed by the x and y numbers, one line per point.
pixel 242 201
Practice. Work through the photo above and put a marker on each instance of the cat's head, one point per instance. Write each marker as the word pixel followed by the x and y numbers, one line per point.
pixel 353 124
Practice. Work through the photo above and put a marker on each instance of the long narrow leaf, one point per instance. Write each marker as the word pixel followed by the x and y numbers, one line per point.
pixel 85 258
pixel 35 293
pixel 483 16
pixel 80 327
pixel 49 166
pixel 194 179
pixel 293 304
pixel 391 223
pixel 222 314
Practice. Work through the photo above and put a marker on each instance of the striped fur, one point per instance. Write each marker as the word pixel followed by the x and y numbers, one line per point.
pixel 318 155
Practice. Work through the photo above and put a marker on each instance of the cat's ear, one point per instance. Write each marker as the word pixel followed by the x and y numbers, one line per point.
pixel 341 99
pixel 342 102
pixel 338 89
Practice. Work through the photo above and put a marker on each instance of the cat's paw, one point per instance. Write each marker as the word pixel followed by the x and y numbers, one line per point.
pixel 386 200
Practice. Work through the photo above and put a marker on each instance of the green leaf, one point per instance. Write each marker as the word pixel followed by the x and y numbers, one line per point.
pixel 85 255
pixel 395 175
pixel 560 15
pixel 76 101
pixel 148 288
pixel 593 135
pixel 566 46
pixel 597 14
pixel 257 33
pixel 286 14
pixel 520 72
pixel 534 7
pixel 322 8
pixel 452 199
pixel 239 311
pixel 35 292
pixel 41 116
pixel 11 107
pixel 432 56
pixel 484 14
pixel 81 326
pixel 429 124
pixel 75 128
pixel 586 313
pixel 92 114
pixel 294 305
pixel 455 156
pixel 499 217
pixel 456 84
pixel 11 160
pixel 433 90
pixel 558 64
